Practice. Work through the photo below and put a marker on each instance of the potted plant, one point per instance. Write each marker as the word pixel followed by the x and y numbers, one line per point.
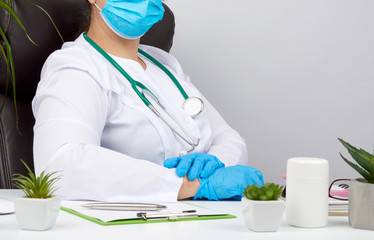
pixel 38 209
pixel 262 208
pixel 361 190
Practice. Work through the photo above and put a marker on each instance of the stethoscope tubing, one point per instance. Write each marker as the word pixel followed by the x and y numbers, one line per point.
pixel 172 77
pixel 188 140
pixel 135 84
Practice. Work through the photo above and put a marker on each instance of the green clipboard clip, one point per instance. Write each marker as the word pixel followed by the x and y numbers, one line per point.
pixel 168 216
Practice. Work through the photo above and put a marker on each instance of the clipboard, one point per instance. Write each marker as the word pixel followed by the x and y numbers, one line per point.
pixel 181 211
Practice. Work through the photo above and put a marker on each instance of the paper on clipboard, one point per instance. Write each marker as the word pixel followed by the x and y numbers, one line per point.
pixel 107 216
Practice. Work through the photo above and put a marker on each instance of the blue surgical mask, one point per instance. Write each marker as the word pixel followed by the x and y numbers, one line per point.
pixel 131 19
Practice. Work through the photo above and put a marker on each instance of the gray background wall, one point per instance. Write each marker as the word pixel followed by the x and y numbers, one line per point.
pixel 289 75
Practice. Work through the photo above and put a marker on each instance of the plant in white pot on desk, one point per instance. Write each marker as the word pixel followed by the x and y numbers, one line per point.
pixel 38 209
pixel 262 208
pixel 361 190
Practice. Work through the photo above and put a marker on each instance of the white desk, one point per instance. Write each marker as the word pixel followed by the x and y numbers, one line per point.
pixel 70 227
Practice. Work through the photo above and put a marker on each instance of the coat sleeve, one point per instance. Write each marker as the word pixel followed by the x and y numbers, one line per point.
pixel 70 108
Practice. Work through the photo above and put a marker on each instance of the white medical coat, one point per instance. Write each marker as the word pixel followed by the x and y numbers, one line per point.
pixel 108 146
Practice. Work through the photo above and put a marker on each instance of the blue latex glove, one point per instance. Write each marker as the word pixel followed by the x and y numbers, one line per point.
pixel 200 165
pixel 228 182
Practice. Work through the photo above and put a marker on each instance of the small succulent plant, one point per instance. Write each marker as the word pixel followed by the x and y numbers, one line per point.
pixel 36 187
pixel 364 159
pixel 268 192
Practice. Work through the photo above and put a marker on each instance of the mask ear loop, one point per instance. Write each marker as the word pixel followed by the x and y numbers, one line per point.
pixel 97 6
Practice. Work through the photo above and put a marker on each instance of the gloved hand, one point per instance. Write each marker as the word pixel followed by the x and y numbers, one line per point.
pixel 228 182
pixel 200 165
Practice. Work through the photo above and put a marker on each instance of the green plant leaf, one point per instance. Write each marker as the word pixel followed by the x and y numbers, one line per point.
pixel 361 171
pixel 269 191
pixel 10 66
pixel 255 195
pixel 49 16
pixel 366 155
pixel 365 159
pixel 7 53
pixel 6 61
pixel 9 9
pixel 277 195
pixel 263 197
pixel 36 187
pixel 362 152
pixel 266 185
pixel 363 162
pixel 347 145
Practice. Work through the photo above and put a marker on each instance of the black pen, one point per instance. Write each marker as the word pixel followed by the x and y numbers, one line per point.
pixel 125 206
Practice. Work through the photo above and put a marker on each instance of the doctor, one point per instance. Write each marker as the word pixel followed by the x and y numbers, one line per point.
pixel 127 125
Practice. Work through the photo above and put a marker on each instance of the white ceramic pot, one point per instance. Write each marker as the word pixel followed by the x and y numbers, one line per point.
pixel 361 204
pixel 263 216
pixel 35 213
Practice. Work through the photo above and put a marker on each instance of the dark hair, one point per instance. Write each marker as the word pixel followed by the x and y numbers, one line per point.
pixel 85 19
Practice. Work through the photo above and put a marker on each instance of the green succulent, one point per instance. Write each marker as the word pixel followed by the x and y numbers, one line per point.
pixel 268 192
pixel 36 187
pixel 364 159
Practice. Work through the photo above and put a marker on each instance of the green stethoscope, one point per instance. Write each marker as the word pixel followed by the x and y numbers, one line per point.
pixel 192 105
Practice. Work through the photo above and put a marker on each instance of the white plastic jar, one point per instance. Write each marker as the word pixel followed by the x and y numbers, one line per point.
pixel 307 192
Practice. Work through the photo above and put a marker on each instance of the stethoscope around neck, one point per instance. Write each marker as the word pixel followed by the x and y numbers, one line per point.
pixel 192 105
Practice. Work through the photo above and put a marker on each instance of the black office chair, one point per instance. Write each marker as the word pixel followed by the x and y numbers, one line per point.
pixel 16 144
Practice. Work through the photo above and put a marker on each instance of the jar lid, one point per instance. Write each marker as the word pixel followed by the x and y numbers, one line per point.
pixel 304 167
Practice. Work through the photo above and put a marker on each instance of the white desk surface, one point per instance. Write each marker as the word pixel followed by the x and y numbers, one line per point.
pixel 71 227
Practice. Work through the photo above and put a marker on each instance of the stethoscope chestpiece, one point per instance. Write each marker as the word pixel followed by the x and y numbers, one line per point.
pixel 193 106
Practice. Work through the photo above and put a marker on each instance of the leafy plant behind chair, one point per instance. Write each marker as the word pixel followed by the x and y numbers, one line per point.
pixel 364 159
pixel 6 49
